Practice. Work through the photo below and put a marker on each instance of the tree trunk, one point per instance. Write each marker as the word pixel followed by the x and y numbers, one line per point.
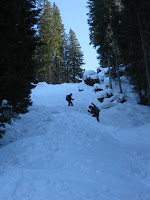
pixel 145 57
pixel 115 50
pixel 58 71
pixel 67 75
pixel 110 79
pixel 119 80
pixel 74 76
pixel 48 76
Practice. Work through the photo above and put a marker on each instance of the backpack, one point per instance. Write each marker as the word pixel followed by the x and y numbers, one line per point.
pixel 67 97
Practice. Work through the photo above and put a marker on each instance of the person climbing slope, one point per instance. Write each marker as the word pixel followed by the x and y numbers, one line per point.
pixel 94 110
pixel 69 99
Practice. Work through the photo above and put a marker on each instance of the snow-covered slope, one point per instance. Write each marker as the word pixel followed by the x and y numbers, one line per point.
pixel 56 152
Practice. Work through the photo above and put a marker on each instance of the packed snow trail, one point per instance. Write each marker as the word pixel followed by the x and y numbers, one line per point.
pixel 56 152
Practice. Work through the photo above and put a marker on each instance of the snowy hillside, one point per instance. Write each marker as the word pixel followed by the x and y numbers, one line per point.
pixel 56 152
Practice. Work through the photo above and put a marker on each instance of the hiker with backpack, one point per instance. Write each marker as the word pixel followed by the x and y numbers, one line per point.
pixel 69 99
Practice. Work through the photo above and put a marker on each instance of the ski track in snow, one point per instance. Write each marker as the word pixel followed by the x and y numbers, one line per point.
pixel 56 152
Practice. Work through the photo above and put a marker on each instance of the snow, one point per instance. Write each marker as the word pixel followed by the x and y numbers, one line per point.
pixel 56 152
pixel 4 103
pixel 101 77
pixel 90 74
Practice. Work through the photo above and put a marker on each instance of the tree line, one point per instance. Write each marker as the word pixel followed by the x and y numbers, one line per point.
pixel 120 31
pixel 34 47
pixel 59 56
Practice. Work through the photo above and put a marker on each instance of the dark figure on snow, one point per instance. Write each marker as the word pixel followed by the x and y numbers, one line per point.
pixel 69 99
pixel 94 110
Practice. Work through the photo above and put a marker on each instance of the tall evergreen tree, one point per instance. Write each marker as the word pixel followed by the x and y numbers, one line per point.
pixel 44 52
pixel 76 59
pixel 102 35
pixel 49 54
pixel 17 44
pixel 65 61
pixel 58 44
pixel 138 68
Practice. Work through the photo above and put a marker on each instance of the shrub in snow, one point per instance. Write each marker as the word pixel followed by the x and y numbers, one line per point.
pixel 6 112
pixel 81 90
pixel 105 94
pixel 121 98
pixel 101 99
pixel 123 101
pixel 90 77
pixel 97 87
pixel 99 70
pixel 91 82
pixel 2 129
pixel 3 106
pixel 108 95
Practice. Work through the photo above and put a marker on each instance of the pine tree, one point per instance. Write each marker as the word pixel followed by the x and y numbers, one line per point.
pixel 76 59
pixel 44 53
pixel 65 61
pixel 49 54
pixel 102 35
pixel 133 39
pixel 58 44
pixel 17 44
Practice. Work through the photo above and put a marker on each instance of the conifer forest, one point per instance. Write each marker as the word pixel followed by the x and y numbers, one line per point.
pixel 120 31
pixel 35 47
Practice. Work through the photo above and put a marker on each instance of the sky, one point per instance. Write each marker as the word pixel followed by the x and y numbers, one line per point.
pixel 73 14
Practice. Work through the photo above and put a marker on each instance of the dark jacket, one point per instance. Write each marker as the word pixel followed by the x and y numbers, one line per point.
pixel 94 110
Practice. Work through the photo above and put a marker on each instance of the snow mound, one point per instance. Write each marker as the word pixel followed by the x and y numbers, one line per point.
pixel 90 74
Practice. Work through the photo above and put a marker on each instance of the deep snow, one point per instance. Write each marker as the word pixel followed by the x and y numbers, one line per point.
pixel 56 152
